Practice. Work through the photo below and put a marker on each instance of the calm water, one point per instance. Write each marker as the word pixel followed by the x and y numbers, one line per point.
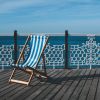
pixel 8 40
pixel 54 40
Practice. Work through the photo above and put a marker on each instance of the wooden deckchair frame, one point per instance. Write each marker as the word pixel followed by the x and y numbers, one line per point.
pixel 31 71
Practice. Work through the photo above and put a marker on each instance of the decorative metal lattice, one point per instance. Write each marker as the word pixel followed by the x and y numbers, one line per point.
pixel 54 55
pixel 86 54
pixel 6 52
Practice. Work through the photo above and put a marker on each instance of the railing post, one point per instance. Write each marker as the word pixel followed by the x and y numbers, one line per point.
pixel 15 46
pixel 66 49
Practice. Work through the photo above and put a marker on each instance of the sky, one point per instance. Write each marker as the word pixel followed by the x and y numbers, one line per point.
pixel 49 16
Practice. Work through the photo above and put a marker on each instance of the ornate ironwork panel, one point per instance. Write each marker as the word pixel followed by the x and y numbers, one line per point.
pixel 87 53
pixel 54 55
pixel 6 52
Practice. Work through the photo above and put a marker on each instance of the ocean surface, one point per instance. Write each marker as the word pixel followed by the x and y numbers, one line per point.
pixel 8 40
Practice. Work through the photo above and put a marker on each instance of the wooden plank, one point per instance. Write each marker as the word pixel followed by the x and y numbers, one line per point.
pixel 10 89
pixel 78 88
pixel 58 87
pixel 92 91
pixel 28 89
pixel 5 83
pixel 87 85
pixel 7 75
pixel 67 84
pixel 57 74
pixel 54 89
pixel 97 95
pixel 18 81
pixel 21 87
pixel 43 91
pixel 73 86
pixel 9 85
pixel 4 74
pixel 3 71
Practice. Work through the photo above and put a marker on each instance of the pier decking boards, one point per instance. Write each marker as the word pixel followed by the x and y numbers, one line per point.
pixel 63 84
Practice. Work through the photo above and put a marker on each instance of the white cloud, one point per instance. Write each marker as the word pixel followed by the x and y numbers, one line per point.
pixel 7 6
pixel 10 5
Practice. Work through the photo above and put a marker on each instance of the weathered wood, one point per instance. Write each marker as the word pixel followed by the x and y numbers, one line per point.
pixel 27 90
pixel 97 95
pixel 10 89
pixel 3 71
pixel 19 81
pixel 82 84
pixel 49 87
pixel 75 83
pixel 57 87
pixel 22 87
pixel 4 75
pixel 6 89
pixel 78 89
pixel 70 79
pixel 92 91
pixel 36 91
pixel 87 85
pixel 4 81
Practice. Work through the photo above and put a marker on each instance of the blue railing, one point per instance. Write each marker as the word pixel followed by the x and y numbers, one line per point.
pixel 54 52
pixel 83 52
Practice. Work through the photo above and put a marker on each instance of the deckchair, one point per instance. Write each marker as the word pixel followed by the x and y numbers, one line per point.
pixel 37 47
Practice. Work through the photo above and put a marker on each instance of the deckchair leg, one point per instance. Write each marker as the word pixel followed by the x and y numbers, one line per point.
pixel 31 76
pixel 44 67
pixel 41 74
pixel 12 74
pixel 19 81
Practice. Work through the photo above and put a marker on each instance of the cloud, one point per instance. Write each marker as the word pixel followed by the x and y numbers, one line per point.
pixel 48 14
pixel 69 10
pixel 50 9
pixel 11 5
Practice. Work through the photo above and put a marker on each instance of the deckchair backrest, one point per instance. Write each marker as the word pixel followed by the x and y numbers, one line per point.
pixel 37 44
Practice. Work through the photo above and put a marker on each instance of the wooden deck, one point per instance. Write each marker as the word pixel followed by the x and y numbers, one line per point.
pixel 82 84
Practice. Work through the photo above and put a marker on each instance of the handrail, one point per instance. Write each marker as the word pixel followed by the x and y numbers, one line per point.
pixel 46 34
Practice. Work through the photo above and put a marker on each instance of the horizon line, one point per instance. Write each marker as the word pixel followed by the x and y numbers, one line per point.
pixel 51 34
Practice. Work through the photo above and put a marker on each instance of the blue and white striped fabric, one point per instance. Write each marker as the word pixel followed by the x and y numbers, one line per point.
pixel 37 44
